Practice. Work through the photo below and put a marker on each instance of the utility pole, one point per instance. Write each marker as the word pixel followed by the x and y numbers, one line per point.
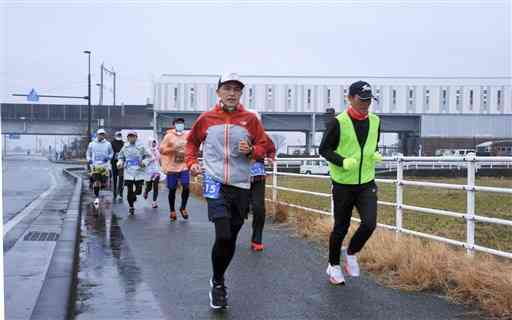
pixel 100 93
pixel 101 85
pixel 89 111
pixel 113 74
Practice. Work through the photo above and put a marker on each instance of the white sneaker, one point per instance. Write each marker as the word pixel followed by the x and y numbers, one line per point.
pixel 335 275
pixel 350 264
pixel 96 203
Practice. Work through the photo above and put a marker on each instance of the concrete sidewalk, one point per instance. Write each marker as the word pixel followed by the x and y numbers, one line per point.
pixel 40 266
pixel 286 281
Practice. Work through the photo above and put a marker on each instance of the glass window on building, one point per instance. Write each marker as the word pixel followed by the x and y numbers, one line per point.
pixel 192 97
pixel 329 97
pixel 309 97
pixel 289 98
pixel 498 99
pixel 175 95
pixel 427 98
pixel 484 100
pixel 251 97
pixel 393 98
pixel 458 99
pixel 471 99
pixel 377 99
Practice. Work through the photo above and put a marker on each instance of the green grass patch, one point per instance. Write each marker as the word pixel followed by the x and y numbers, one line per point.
pixel 487 204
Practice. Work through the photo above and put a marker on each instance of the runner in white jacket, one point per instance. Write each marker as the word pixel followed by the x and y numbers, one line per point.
pixel 99 154
pixel 133 158
pixel 153 172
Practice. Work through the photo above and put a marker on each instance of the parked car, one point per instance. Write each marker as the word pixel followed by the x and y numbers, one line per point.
pixel 453 152
pixel 319 167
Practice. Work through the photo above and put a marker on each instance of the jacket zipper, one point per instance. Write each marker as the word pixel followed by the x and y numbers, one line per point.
pixel 226 153
pixel 361 163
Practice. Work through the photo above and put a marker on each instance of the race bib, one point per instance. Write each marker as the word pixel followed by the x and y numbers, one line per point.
pixel 211 188
pixel 180 157
pixel 257 169
pixel 132 163
pixel 99 158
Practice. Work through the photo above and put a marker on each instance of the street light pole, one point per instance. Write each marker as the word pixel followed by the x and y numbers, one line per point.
pixel 89 97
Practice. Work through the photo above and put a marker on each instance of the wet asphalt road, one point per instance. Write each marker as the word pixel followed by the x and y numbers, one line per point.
pixel 24 178
pixel 145 267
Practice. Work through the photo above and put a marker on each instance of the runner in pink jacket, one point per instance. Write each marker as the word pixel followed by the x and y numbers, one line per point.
pixel 153 172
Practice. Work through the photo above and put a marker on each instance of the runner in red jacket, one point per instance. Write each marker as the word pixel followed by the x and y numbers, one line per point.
pixel 232 137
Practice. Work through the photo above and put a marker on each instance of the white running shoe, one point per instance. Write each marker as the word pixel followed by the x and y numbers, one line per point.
pixel 350 264
pixel 96 203
pixel 335 275
pixel 155 204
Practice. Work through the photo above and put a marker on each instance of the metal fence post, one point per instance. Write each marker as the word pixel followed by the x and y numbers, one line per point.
pixel 399 194
pixel 470 208
pixel 274 186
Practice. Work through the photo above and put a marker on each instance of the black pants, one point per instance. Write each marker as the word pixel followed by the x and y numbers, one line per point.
pixel 185 192
pixel 226 233
pixel 364 198
pixel 153 185
pixel 117 180
pixel 257 202
pixel 99 181
pixel 134 189
pixel 228 214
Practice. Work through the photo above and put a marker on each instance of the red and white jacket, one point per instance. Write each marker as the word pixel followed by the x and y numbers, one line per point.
pixel 220 132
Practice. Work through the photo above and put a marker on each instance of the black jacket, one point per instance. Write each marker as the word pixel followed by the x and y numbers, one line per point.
pixel 117 145
pixel 331 139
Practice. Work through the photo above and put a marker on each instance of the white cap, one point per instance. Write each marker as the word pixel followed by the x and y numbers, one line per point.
pixel 228 77
pixel 100 131
pixel 132 133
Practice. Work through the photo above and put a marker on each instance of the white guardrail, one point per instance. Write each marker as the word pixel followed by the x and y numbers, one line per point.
pixel 470 162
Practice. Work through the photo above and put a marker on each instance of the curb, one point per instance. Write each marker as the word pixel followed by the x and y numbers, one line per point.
pixel 56 299
pixel 77 162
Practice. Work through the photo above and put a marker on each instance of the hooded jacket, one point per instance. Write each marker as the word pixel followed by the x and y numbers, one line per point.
pixel 153 166
pixel 99 153
pixel 134 157
pixel 172 151
pixel 220 132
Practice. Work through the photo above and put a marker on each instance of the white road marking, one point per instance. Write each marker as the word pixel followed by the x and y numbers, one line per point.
pixel 34 204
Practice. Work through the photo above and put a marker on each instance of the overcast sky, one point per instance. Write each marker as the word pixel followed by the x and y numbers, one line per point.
pixel 42 41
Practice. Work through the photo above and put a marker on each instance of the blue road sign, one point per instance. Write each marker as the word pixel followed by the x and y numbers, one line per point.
pixel 14 136
pixel 33 96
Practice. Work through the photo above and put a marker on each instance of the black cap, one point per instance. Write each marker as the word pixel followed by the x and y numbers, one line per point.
pixel 361 89
pixel 178 119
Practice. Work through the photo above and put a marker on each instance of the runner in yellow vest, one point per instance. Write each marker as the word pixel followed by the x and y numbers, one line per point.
pixel 350 144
